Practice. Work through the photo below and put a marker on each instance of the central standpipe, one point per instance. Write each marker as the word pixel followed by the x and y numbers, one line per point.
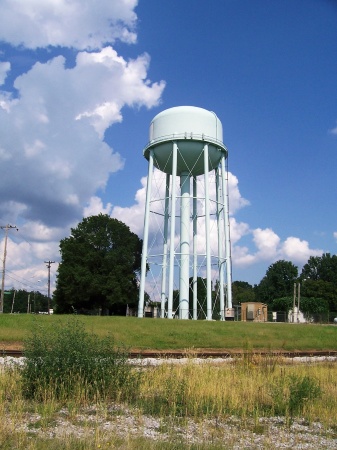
pixel 166 218
pixel 208 244
pixel 184 246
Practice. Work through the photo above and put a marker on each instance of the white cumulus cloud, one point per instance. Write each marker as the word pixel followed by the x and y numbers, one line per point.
pixel 54 132
pixel 4 69
pixel 298 250
pixel 266 242
pixel 81 24
pixel 95 206
pixel 53 156
pixel 268 247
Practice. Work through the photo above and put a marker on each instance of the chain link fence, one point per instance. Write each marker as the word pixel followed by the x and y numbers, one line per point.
pixel 286 317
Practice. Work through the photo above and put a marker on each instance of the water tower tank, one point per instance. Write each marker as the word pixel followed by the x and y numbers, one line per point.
pixel 191 128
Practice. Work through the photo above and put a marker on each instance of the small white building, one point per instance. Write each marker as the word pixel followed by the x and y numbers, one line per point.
pixel 296 316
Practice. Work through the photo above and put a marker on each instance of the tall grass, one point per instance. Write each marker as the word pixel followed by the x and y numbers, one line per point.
pixel 207 394
pixel 77 391
pixel 240 390
pixel 67 361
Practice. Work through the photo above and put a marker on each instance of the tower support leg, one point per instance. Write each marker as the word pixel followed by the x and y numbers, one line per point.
pixel 172 230
pixel 227 232
pixel 220 224
pixel 145 238
pixel 164 270
pixel 208 237
pixel 195 254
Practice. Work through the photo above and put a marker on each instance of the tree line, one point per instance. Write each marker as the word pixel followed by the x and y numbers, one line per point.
pixel 101 261
pixel 23 301
pixel 317 280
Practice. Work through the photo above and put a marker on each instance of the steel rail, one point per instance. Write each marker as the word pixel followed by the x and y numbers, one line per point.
pixel 178 354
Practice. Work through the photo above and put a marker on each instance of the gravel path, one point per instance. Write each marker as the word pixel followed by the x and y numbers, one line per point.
pixel 232 433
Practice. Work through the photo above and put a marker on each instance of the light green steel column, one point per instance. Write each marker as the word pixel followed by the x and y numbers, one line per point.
pixel 227 232
pixel 208 237
pixel 195 254
pixel 164 269
pixel 145 238
pixel 220 223
pixel 172 231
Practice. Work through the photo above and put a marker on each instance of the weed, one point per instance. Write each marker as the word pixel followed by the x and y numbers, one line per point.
pixel 71 363
pixel 293 392
pixel 301 391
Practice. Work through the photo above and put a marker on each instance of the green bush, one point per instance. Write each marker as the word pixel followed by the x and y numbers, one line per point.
pixel 68 362
pixel 302 390
pixel 293 392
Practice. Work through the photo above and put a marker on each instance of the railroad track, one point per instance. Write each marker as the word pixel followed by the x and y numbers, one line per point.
pixel 205 354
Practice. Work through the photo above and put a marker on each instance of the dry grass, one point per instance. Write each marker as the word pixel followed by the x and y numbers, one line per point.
pixel 187 406
pixel 245 404
pixel 254 388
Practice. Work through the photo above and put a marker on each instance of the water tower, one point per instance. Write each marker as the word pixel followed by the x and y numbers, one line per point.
pixel 192 242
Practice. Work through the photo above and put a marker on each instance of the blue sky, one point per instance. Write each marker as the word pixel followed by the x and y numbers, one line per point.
pixel 81 82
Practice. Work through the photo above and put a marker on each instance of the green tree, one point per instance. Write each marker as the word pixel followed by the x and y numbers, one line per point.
pixel 308 305
pixel 282 304
pixel 99 265
pixel 22 301
pixel 319 279
pixel 313 305
pixel 321 268
pixel 328 268
pixel 311 268
pixel 278 281
pixel 325 290
pixel 201 295
pixel 175 302
pixel 242 292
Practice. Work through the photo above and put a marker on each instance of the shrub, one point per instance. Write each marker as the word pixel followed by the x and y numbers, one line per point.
pixel 293 392
pixel 302 390
pixel 69 362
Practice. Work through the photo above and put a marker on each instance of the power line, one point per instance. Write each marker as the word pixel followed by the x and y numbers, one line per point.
pixel 25 282
pixel 6 228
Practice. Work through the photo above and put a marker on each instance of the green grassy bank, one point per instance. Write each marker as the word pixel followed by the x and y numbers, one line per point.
pixel 162 334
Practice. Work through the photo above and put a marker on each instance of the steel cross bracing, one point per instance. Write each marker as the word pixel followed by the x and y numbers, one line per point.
pixel 206 255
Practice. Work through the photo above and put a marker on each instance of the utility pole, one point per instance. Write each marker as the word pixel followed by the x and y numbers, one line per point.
pixel 297 287
pixel 12 310
pixel 294 302
pixel 6 228
pixel 48 266
pixel 298 301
